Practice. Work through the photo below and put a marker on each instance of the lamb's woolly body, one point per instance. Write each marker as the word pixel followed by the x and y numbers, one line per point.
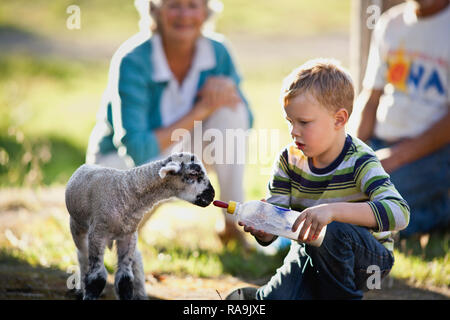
pixel 124 196
pixel 107 204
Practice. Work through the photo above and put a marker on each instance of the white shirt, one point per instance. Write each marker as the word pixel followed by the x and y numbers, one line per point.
pixel 410 58
pixel 176 100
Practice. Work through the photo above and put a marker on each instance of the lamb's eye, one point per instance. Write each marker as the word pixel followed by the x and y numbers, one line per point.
pixel 192 176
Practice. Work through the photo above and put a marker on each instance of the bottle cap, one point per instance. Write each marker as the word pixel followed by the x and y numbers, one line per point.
pixel 231 207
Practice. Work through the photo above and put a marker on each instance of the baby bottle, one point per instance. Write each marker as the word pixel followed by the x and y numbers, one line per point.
pixel 268 218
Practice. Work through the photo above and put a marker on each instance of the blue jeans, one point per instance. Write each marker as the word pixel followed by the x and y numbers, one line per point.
pixel 339 269
pixel 425 185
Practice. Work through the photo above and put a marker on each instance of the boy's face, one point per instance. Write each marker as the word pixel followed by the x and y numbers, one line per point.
pixel 312 126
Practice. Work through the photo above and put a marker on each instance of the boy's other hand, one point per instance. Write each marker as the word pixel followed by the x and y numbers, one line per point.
pixel 315 218
pixel 261 235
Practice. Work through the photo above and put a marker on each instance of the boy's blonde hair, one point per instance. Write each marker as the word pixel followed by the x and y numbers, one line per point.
pixel 329 83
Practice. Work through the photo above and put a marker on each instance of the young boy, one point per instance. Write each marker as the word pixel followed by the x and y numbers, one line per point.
pixel 335 180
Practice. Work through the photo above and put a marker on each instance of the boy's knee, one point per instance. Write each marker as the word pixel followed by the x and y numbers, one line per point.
pixel 228 118
pixel 336 241
pixel 337 231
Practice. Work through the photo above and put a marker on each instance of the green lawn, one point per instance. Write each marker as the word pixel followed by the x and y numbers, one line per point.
pixel 48 108
pixel 117 19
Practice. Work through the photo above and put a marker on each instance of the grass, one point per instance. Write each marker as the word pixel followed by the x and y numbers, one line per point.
pixel 102 20
pixel 178 240
pixel 48 110
pixel 428 265
pixel 300 18
pixel 416 270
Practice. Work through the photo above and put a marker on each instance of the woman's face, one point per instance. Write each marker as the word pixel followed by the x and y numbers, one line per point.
pixel 182 20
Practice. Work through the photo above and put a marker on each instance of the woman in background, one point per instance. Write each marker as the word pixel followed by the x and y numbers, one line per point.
pixel 164 80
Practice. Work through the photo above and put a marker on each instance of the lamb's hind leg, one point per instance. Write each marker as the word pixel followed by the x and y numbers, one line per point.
pixel 95 279
pixel 124 278
pixel 139 277
pixel 79 235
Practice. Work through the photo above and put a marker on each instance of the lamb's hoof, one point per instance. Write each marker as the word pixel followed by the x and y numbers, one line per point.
pixel 79 294
pixel 125 288
pixel 94 288
pixel 76 294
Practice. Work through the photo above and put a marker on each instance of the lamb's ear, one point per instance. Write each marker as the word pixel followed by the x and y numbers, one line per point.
pixel 173 167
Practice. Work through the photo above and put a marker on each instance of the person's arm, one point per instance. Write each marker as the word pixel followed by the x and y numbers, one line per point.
pixel 198 113
pixel 369 99
pixel 409 150
pixel 131 114
pixel 386 210
pixel 218 92
pixel 317 217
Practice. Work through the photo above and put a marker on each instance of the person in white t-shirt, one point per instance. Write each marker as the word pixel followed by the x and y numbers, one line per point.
pixel 406 99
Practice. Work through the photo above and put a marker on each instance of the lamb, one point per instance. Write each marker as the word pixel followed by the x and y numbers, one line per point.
pixel 107 204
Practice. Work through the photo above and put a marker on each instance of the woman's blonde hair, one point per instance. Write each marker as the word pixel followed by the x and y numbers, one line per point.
pixel 325 79
pixel 148 19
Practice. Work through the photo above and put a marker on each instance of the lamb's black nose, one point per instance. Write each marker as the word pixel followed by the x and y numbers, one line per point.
pixel 206 197
pixel 213 192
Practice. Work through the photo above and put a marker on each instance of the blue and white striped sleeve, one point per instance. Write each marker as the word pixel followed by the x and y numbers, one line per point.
pixel 390 209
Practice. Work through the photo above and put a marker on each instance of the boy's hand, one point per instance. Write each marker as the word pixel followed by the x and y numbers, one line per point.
pixel 315 217
pixel 261 235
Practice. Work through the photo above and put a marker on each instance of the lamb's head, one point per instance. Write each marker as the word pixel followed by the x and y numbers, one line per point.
pixel 186 175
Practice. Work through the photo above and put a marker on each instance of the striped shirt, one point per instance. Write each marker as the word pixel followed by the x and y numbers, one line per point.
pixel 355 176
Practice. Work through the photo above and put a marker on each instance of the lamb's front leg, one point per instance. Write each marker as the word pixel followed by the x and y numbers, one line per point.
pixel 124 278
pixel 95 279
